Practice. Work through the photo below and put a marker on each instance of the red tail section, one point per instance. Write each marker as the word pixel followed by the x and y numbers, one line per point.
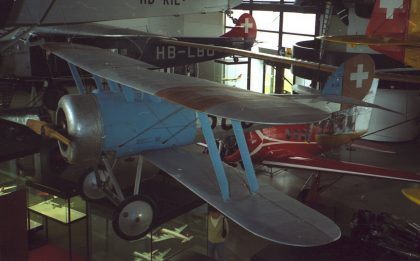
pixel 390 18
pixel 245 27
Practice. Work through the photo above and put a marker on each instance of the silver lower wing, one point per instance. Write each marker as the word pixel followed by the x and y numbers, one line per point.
pixel 269 213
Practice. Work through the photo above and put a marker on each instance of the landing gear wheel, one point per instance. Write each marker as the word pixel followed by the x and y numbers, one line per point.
pixel 133 218
pixel 90 189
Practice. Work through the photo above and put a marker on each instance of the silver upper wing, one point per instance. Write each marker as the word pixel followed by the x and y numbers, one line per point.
pixel 197 94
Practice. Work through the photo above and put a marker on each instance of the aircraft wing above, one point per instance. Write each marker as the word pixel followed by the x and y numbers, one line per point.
pixel 268 213
pixel 374 40
pixel 288 60
pixel 337 166
pixel 91 30
pixel 197 94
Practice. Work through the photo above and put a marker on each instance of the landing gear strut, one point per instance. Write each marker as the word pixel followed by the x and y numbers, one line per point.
pixel 311 189
pixel 134 215
pixel 91 188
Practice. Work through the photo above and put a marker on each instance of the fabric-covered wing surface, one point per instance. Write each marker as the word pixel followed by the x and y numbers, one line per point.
pixel 197 94
pixel 269 213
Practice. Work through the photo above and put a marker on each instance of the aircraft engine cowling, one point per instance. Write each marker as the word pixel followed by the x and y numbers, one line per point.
pixel 105 122
pixel 80 118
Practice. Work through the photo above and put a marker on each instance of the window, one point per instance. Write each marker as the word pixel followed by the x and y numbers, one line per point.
pixel 277 31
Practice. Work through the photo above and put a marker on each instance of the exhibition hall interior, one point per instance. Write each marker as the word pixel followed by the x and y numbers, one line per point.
pixel 209 130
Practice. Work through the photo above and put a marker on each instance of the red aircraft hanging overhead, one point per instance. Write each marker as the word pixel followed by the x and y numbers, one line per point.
pixel 393 30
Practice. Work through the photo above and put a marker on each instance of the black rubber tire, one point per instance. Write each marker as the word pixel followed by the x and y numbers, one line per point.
pixel 83 194
pixel 117 215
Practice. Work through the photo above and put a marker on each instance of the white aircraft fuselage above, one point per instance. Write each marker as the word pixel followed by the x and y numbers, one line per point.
pixel 46 12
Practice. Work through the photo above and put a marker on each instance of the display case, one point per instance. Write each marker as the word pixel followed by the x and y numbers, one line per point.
pixel 62 215
pixel 7 186
pixel 187 232
pixel 13 233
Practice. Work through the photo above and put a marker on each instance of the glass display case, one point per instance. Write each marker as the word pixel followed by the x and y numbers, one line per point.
pixel 7 186
pixel 62 215
pixel 187 232
pixel 59 209
pixel 13 229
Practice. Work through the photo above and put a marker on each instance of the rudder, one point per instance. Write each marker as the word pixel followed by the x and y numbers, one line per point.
pixel 245 27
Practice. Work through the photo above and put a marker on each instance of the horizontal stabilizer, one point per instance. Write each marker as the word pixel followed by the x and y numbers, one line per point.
pixel 372 146
pixel 300 89
pixel 340 100
pixel 268 213
pixel 187 239
pixel 196 94
pixel 336 166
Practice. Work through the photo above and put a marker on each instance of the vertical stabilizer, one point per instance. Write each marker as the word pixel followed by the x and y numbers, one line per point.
pixel 245 27
pixel 390 18
pixel 353 79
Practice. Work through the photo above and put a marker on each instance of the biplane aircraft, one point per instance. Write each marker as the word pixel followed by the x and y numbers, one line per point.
pixel 137 111
pixel 164 109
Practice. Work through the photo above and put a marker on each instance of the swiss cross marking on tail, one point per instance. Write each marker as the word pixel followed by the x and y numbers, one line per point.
pixel 247 25
pixel 359 76
pixel 390 6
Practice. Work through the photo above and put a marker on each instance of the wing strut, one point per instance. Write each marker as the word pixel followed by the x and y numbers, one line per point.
pixel 246 158
pixel 98 82
pixel 113 86
pixel 76 76
pixel 214 155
